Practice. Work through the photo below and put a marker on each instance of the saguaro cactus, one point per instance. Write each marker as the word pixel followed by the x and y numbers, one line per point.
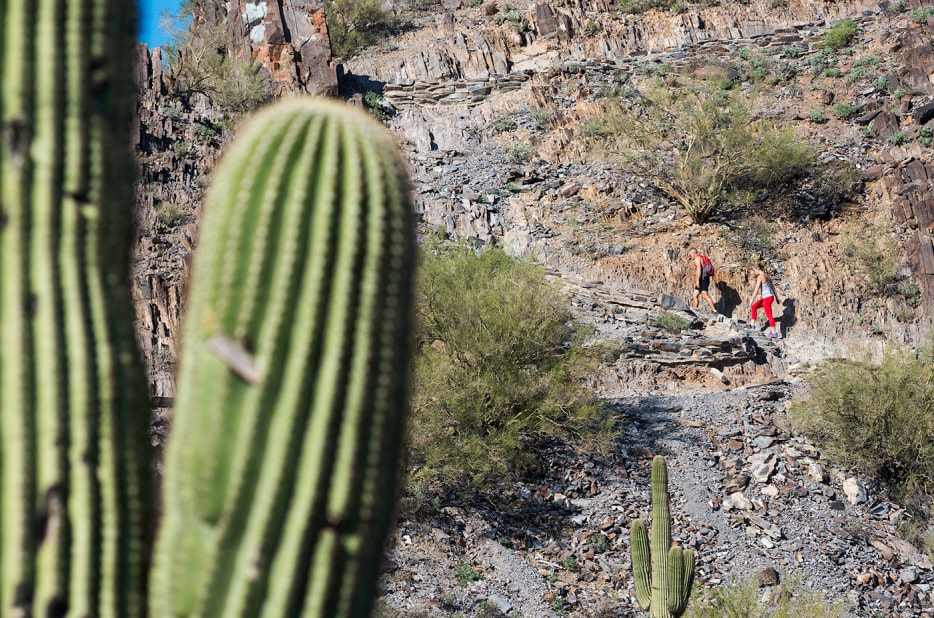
pixel 663 574
pixel 73 406
pixel 281 469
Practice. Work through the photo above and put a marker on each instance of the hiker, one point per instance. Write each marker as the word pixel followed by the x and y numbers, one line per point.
pixel 764 292
pixel 703 271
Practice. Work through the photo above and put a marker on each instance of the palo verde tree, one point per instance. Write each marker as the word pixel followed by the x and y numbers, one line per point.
pixel 698 145
pixel 199 63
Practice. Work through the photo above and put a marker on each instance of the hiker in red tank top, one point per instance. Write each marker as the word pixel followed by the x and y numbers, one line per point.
pixel 702 272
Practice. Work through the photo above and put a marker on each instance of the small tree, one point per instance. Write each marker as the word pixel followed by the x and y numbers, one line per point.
pixel 354 24
pixel 698 144
pixel 201 64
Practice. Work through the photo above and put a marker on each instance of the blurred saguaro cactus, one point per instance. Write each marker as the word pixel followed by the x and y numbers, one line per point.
pixel 281 469
pixel 663 574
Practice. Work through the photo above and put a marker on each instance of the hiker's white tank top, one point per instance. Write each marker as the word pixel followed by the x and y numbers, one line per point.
pixel 767 289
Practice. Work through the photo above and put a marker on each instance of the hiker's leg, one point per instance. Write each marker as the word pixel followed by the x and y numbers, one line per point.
pixel 755 309
pixel 710 302
pixel 768 312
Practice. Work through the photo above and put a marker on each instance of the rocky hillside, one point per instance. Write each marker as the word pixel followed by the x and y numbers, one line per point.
pixel 450 86
pixel 466 86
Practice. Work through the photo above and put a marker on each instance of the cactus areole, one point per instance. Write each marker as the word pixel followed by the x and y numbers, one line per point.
pixel 281 469
pixel 663 574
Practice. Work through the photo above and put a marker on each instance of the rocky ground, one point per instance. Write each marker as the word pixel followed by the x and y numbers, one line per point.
pixel 751 498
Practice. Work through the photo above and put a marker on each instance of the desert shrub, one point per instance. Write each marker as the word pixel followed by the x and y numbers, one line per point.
pixel 168 213
pixel 878 417
pixel 594 127
pixel 518 154
pixel 672 322
pixel 701 145
pixel 840 34
pixel 742 600
pixel 205 132
pixel 779 159
pixel 201 65
pixel 181 147
pixel 817 116
pixel 500 365
pixel 845 112
pixel 855 74
pixel 898 138
pixel 925 136
pixel 172 112
pixel 354 24
pixel 921 15
pixel 875 257
pixel 881 83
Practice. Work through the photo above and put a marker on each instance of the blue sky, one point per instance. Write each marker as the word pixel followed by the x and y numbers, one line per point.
pixel 149 16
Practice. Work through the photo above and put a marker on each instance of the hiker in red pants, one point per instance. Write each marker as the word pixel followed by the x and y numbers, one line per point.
pixel 765 291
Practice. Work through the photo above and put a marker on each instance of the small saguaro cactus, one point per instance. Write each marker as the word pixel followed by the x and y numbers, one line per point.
pixel 663 574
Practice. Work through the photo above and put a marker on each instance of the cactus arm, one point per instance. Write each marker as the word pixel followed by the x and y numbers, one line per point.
pixel 73 461
pixel 641 563
pixel 676 594
pixel 324 317
pixel 686 583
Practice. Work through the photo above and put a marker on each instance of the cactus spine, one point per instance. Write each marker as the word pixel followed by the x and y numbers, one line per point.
pixel 282 465
pixel 663 574
pixel 73 453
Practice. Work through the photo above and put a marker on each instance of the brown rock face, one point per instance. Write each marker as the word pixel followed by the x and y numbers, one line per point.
pixel 290 38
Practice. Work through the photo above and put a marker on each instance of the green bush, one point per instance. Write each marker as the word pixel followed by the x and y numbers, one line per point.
pixel 500 365
pixel 202 66
pixel 879 417
pixel 520 153
pixel 925 136
pixel 817 116
pixel 701 145
pixel 841 34
pixel 205 132
pixel 898 138
pixel 855 74
pixel 793 600
pixel 845 112
pixel 881 83
pixel 354 24
pixel 672 322
pixel 779 159
pixel 181 147
pixel 464 573
pixel 921 15
pixel 168 213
